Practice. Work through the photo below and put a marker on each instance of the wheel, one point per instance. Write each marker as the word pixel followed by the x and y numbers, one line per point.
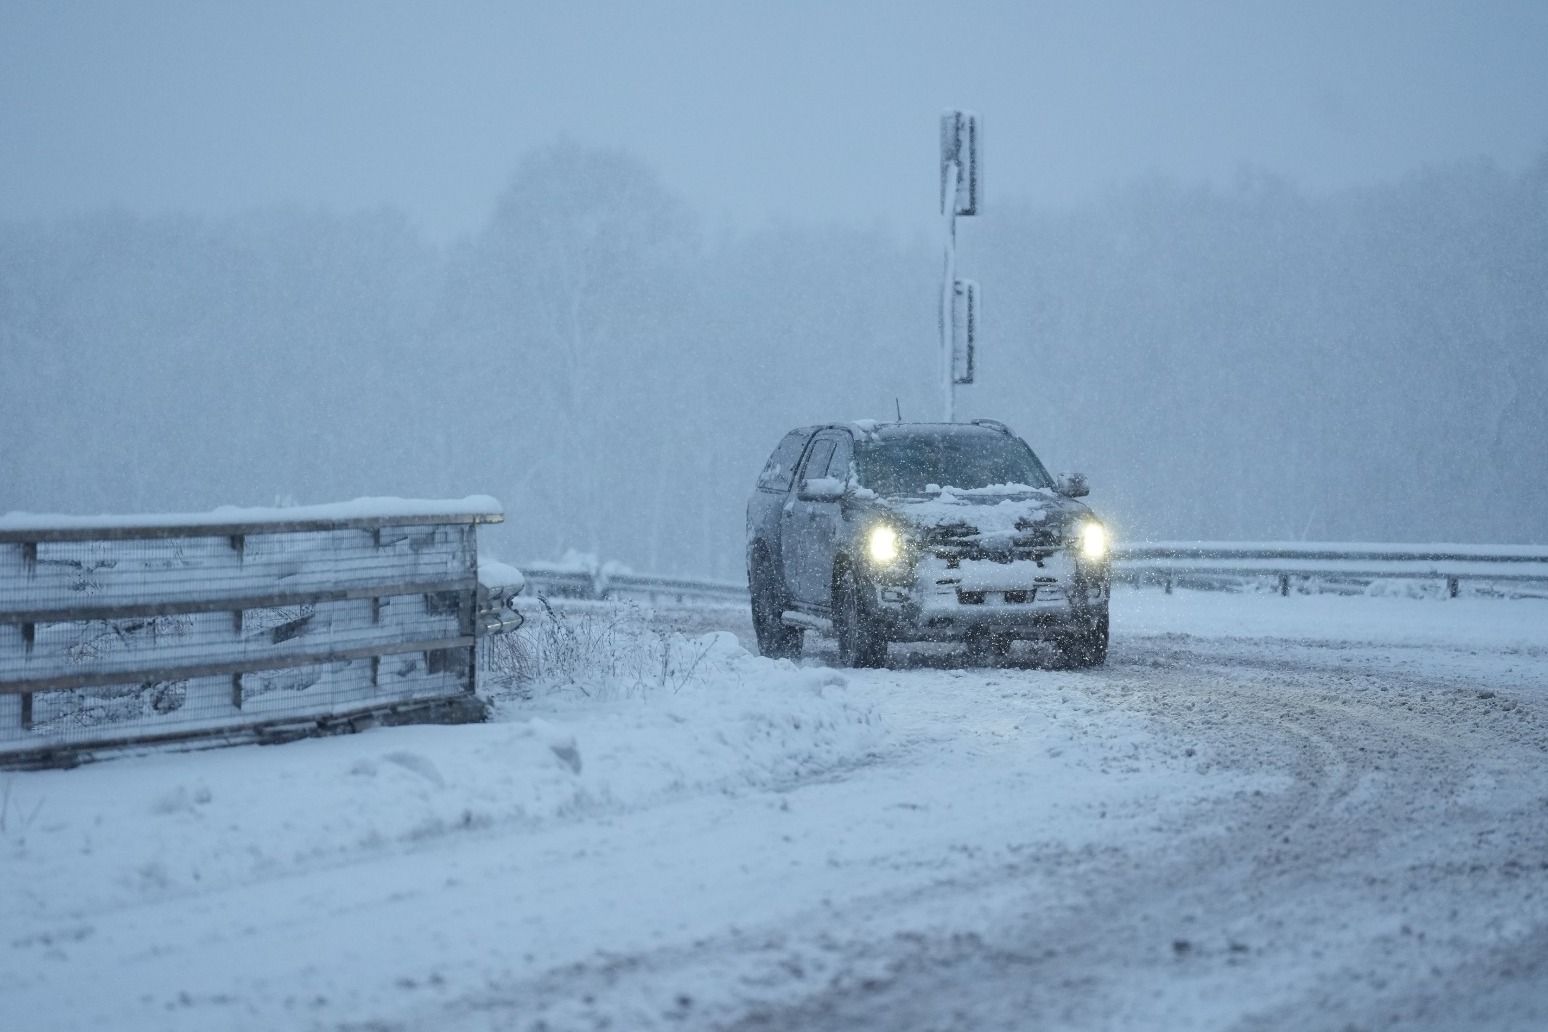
pixel 775 640
pixel 1088 648
pixel 860 643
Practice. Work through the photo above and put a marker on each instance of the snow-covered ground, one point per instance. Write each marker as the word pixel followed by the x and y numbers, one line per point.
pixel 1300 813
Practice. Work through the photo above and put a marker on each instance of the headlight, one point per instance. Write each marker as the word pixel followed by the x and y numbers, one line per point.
pixel 1093 540
pixel 883 544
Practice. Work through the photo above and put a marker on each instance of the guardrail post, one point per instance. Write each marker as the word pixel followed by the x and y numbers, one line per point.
pixel 1452 587
pixel 1284 585
pixel 1169 585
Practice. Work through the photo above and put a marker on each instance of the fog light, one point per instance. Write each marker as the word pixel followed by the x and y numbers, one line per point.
pixel 883 545
pixel 1093 540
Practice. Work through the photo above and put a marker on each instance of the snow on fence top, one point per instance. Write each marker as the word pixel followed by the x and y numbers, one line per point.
pixel 229 519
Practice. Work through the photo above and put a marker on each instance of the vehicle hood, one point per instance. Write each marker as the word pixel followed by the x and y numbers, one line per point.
pixel 991 518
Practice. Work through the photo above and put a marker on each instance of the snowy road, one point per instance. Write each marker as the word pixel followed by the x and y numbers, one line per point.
pixel 1265 813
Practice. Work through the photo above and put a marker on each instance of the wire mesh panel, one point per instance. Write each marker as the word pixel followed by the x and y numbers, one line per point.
pixel 140 632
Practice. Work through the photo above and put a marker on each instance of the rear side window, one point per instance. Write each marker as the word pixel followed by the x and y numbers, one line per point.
pixel 779 471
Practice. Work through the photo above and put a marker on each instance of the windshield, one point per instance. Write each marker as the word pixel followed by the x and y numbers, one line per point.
pixel 906 464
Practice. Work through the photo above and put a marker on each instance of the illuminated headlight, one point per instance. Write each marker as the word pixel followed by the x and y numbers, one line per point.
pixel 1093 540
pixel 883 544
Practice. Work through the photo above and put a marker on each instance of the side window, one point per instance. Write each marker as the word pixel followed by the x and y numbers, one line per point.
pixel 779 472
pixel 817 459
pixel 838 466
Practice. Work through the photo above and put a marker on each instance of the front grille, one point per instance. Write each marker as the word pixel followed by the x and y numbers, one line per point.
pixel 955 554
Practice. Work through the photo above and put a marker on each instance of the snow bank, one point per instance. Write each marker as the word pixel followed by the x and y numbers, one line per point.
pixel 1461 623
pixel 143 828
pixel 574 561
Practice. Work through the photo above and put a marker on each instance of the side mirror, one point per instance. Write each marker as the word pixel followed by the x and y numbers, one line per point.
pixel 1072 485
pixel 821 489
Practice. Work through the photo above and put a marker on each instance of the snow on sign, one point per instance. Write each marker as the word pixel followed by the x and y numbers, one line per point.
pixel 961 181
pixel 960 147
pixel 964 329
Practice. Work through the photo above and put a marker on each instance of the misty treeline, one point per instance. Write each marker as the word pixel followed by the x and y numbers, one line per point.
pixel 1239 363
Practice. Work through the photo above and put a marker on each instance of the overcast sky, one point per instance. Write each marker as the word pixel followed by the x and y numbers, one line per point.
pixel 752 110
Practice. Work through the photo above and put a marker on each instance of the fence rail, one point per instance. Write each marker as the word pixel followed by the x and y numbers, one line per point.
pixel 1154 562
pixel 602 584
pixel 266 622
pixel 1169 561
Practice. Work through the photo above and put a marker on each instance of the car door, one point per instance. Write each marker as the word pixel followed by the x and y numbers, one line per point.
pixel 768 498
pixel 814 524
pixel 826 527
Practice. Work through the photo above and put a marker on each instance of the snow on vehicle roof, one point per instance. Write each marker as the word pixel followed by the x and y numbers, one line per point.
pixel 910 429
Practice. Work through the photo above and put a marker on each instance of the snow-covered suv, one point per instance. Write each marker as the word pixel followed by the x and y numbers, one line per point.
pixel 880 532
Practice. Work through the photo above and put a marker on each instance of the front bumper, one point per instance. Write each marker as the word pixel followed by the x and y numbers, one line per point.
pixel 948 600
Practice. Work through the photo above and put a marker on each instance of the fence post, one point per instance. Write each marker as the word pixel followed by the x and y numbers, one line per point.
pixel 1284 585
pixel 1452 587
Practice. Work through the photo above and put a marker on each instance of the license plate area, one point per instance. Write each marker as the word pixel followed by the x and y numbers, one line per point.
pixel 1016 597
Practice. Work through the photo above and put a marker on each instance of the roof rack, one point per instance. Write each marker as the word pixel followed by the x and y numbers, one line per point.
pixel 994 424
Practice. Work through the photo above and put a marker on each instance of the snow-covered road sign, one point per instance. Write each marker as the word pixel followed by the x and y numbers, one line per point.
pixel 964 329
pixel 961 182
pixel 960 138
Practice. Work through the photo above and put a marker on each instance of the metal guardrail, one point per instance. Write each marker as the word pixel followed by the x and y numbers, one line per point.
pixel 598 585
pixel 257 623
pixel 1163 562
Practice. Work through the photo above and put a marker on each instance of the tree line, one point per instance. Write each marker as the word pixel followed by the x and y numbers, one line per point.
pixel 1247 362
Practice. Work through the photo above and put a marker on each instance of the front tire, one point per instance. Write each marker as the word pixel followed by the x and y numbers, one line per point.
pixel 860 643
pixel 1088 648
pixel 775 640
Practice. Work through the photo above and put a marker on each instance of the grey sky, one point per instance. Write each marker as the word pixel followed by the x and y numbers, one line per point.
pixel 801 110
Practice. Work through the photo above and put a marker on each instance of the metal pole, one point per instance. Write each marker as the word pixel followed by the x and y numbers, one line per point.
pixel 948 287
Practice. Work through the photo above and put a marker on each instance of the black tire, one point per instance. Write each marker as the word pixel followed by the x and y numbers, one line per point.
pixel 1087 649
pixel 775 640
pixel 860 643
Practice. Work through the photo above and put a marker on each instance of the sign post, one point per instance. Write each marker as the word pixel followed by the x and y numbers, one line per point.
pixel 961 184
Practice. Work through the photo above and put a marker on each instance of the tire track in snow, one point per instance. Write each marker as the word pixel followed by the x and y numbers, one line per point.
pixel 1380 868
